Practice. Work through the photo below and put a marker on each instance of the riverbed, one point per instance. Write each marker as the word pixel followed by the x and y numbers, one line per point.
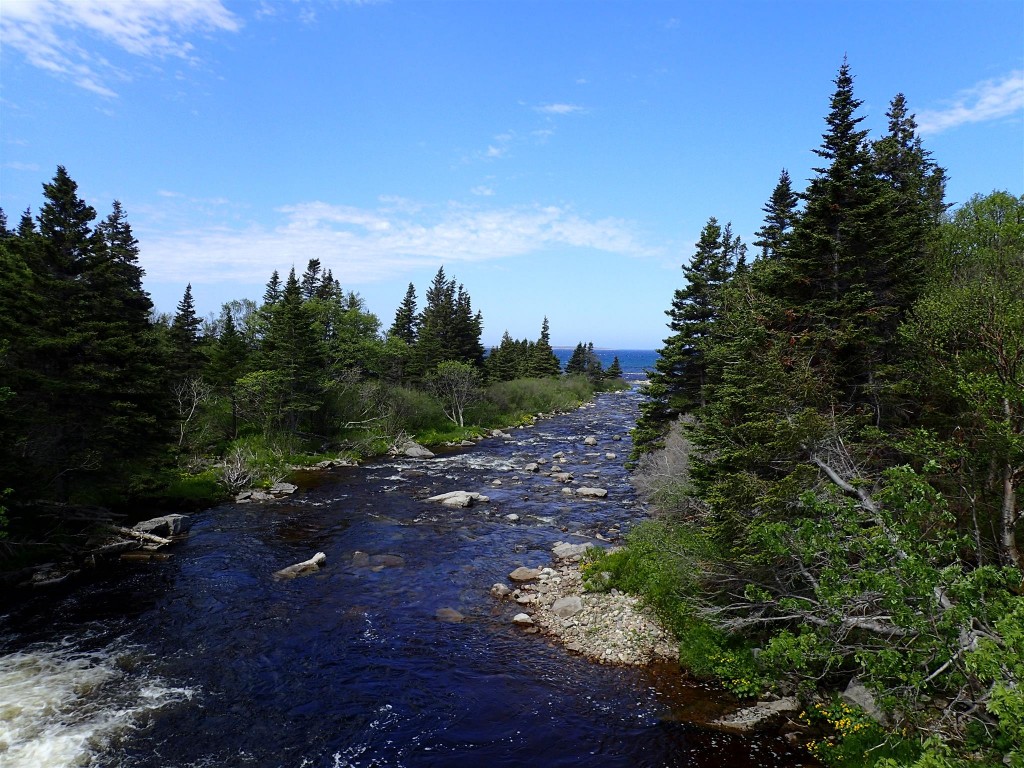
pixel 208 660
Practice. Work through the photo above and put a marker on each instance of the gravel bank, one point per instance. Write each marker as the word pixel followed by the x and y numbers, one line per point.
pixel 609 628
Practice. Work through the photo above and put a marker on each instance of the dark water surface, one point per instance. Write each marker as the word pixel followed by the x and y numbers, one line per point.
pixel 207 660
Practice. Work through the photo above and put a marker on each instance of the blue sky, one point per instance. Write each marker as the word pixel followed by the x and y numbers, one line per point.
pixel 558 158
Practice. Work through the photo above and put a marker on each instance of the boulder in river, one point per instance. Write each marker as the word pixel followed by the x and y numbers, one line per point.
pixel 522 573
pixel 592 493
pixel 590 441
pixel 167 525
pixel 458 499
pixel 301 569
pixel 523 620
pixel 759 716
pixel 414 450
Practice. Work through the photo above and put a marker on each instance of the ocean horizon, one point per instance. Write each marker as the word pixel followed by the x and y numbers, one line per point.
pixel 634 362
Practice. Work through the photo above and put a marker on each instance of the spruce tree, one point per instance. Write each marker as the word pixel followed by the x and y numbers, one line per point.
pixel 272 294
pixel 185 339
pixel 576 365
pixel 404 326
pixel 780 213
pixel 543 362
pixel 678 383
pixel 311 279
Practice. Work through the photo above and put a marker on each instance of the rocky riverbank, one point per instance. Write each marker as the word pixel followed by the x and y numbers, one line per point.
pixel 609 628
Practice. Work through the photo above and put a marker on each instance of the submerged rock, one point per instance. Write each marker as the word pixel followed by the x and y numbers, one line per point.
pixel 449 614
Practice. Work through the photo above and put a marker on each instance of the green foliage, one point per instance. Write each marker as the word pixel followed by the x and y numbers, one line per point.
pixel 851 737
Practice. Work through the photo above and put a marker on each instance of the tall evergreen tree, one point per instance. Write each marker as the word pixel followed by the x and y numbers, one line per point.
pixel 404 326
pixel 184 336
pixel 678 383
pixel 780 213
pixel 272 294
pixel 311 279
pixel 543 361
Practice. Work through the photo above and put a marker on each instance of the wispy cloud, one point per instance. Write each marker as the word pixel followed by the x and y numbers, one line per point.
pixel 60 36
pixel 559 109
pixel 482 191
pixel 989 100
pixel 375 244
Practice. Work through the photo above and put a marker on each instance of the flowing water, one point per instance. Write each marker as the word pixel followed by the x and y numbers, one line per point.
pixel 207 660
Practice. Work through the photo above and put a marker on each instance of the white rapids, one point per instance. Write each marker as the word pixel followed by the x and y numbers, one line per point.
pixel 61 706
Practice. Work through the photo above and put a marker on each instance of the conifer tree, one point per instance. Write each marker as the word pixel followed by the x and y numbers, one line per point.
pixel 780 213
pixel 404 326
pixel 678 383
pixel 576 365
pixel 185 339
pixel 311 279
pixel 543 361
pixel 273 293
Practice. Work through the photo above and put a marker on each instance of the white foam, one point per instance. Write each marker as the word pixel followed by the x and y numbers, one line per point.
pixel 60 706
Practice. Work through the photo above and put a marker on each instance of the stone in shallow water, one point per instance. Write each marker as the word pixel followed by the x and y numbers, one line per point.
pixel 522 573
pixel 523 620
pixel 593 493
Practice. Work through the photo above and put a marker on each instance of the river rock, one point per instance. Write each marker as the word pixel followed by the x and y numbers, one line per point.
pixel 523 620
pixel 168 525
pixel 282 489
pixel 562 477
pixel 760 715
pixel 563 550
pixel 533 466
pixel 500 591
pixel 593 493
pixel 590 441
pixel 458 499
pixel 414 451
pixel 522 573
pixel 449 614
pixel 513 517
pixel 858 695
pixel 565 607
pixel 610 456
pixel 302 569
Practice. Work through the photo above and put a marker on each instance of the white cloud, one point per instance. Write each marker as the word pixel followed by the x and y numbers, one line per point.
pixel 367 245
pixel 59 36
pixel 482 191
pixel 988 100
pixel 559 109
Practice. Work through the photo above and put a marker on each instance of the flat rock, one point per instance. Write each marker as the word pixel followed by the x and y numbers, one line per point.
pixel 533 466
pixel 760 715
pixel 523 620
pixel 522 573
pixel 282 489
pixel 565 607
pixel 563 550
pixel 593 493
pixel 458 499
pixel 167 525
pixel 360 559
pixel 562 477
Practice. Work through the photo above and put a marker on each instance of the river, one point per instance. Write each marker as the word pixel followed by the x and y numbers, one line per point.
pixel 207 660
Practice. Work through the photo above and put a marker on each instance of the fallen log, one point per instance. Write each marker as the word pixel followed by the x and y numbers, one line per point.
pixel 139 535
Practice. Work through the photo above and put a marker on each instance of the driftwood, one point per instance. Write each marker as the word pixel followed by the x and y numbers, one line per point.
pixel 301 569
pixel 148 537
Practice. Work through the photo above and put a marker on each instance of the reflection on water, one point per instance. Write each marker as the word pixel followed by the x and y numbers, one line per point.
pixel 207 660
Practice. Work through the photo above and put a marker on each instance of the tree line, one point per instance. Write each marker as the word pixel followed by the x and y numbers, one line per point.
pixel 106 401
pixel 834 434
